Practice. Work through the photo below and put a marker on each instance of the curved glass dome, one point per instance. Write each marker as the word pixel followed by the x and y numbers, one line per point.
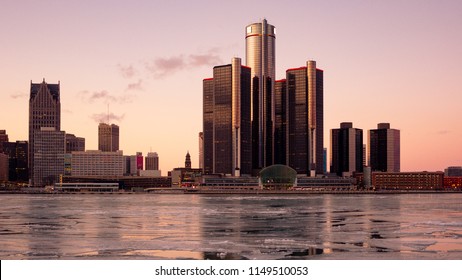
pixel 278 176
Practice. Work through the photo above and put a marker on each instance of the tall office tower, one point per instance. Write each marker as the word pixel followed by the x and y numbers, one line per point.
pixel 280 122
pixel 44 111
pixel 152 161
pixel 74 144
pixel 18 160
pixel 49 149
pixel 260 40
pixel 201 150
pixel 3 138
pixel 108 137
pixel 346 150
pixel 227 126
pixel 384 148
pixel 299 123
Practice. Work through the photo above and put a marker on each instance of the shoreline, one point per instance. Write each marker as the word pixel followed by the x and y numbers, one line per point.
pixel 238 192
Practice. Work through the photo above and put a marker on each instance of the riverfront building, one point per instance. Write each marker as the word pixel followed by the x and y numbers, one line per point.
pixel 3 138
pixel 299 125
pixel 3 167
pixel 260 39
pixel 453 171
pixel 408 180
pixel 17 160
pixel 346 150
pixel 44 111
pixel 74 144
pixel 97 163
pixel 48 156
pixel 152 161
pixel 227 125
pixel 384 148
pixel 108 137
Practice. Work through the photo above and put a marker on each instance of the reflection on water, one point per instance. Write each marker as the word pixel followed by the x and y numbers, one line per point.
pixel 109 226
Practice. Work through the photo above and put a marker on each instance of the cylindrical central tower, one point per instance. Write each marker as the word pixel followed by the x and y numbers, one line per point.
pixel 260 57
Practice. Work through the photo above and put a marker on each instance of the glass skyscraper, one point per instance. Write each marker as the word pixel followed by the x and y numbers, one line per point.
pixel 261 58
pixel 384 148
pixel 346 150
pixel 227 142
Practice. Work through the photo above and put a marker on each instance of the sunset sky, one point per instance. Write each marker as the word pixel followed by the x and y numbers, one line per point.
pixel 384 61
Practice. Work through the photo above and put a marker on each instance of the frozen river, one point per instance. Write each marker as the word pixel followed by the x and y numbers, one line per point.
pixel 178 226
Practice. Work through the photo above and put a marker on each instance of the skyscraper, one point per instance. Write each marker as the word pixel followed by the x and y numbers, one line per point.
pixel 261 58
pixel 384 148
pixel 108 137
pixel 49 150
pixel 346 150
pixel 305 119
pixel 201 150
pixel 227 126
pixel 152 161
pixel 44 111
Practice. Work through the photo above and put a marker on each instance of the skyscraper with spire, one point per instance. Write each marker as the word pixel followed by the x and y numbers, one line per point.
pixel 45 121
pixel 260 40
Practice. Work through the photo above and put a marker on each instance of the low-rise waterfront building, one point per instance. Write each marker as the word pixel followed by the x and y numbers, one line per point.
pixel 453 171
pixel 97 163
pixel 407 180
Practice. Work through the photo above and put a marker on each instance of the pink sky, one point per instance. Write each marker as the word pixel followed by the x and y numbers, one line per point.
pixel 388 61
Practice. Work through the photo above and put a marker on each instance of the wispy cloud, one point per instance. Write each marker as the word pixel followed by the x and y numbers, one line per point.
pixel 126 71
pixel 105 97
pixel 135 86
pixel 104 117
pixel 161 67
pixel 204 60
pixel 18 95
pixel 443 132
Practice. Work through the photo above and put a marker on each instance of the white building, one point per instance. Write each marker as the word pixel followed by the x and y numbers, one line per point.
pixel 97 163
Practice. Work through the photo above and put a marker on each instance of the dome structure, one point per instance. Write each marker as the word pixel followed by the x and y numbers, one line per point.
pixel 278 177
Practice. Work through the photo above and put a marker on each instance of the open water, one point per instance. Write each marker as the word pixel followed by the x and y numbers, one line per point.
pixel 178 226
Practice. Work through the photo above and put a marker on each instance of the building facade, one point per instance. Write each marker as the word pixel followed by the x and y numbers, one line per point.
pixel 108 137
pixel 44 111
pixel 48 152
pixel 152 161
pixel 305 119
pixel 18 160
pixel 384 148
pixel 4 168
pixel 74 144
pixel 260 40
pixel 408 180
pixel 346 150
pixel 97 163
pixel 227 124
pixel 453 171
pixel 3 138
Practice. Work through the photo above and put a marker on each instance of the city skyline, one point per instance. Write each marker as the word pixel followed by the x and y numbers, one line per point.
pixel 384 62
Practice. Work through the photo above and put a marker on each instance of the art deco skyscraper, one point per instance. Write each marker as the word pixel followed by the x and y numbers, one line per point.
pixel 261 58
pixel 227 135
pixel 108 137
pixel 384 148
pixel 44 111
